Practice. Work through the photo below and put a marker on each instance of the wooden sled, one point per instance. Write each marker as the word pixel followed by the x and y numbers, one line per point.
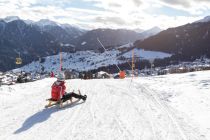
pixel 52 102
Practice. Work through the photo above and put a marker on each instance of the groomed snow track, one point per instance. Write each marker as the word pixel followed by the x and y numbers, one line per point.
pixel 115 110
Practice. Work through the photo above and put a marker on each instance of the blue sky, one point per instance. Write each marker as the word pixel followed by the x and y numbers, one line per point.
pixel 91 14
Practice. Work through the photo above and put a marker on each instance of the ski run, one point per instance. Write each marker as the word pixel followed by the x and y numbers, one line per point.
pixel 170 107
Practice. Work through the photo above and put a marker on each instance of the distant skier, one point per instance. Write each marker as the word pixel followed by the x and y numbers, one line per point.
pixel 52 74
pixel 59 93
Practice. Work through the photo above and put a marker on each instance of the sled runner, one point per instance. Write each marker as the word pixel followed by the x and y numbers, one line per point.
pixel 51 102
pixel 60 103
pixel 66 98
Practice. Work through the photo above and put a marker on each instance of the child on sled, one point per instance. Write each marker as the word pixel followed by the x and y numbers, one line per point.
pixel 59 93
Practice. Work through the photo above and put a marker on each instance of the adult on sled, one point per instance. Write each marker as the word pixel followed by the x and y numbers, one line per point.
pixel 58 92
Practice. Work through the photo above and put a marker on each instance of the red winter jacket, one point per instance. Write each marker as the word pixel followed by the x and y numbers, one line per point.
pixel 51 74
pixel 58 90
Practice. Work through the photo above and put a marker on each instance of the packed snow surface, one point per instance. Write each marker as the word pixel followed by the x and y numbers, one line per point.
pixel 170 107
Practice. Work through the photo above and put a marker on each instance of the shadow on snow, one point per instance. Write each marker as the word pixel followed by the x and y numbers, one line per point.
pixel 42 116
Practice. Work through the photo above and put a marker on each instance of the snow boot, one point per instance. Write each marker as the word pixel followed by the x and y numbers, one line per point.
pixel 84 97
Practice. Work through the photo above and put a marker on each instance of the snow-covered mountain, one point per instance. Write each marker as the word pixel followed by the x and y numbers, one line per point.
pixel 18 37
pixel 73 30
pixel 11 18
pixel 112 37
pixel 43 38
pixel 109 37
pixel 46 22
pixel 186 42
pixel 173 107
pixel 63 33
pixel 205 19
pixel 32 41
pixel 138 30
pixel 150 32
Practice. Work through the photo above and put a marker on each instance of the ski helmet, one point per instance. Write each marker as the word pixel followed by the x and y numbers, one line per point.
pixel 61 77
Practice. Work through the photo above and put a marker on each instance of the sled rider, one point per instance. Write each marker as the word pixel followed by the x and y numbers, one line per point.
pixel 58 92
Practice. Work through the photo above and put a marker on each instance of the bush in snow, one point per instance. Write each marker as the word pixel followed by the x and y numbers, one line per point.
pixel 42 60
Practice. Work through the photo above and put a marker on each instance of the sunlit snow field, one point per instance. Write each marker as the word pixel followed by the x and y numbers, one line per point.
pixel 170 107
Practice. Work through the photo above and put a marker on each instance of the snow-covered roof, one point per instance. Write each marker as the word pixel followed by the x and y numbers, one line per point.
pixel 102 72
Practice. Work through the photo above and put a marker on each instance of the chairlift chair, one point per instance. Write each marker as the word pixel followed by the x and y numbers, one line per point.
pixel 18 60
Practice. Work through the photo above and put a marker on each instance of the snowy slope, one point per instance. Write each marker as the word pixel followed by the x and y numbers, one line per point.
pixel 141 53
pixel 46 22
pixel 11 18
pixel 205 19
pixel 88 60
pixel 171 107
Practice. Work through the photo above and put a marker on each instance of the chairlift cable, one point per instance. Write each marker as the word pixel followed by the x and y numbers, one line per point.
pixel 105 51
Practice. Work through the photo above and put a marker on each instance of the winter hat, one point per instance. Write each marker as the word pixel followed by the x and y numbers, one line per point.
pixel 61 77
